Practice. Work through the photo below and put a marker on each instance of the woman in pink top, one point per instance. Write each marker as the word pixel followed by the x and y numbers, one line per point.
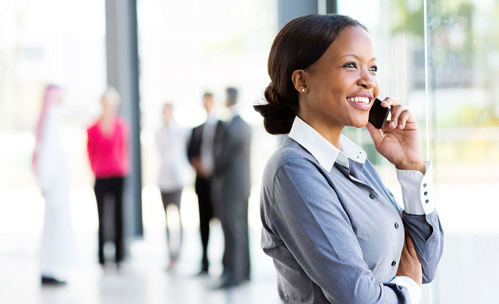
pixel 108 152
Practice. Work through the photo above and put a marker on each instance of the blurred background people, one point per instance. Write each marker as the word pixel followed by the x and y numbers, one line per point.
pixel 108 152
pixel 200 152
pixel 50 166
pixel 174 174
pixel 231 190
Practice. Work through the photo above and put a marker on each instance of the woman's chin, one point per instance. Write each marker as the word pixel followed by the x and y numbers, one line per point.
pixel 359 123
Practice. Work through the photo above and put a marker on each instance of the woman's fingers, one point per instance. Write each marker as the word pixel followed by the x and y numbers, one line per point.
pixel 399 115
pixel 394 120
pixel 388 102
pixel 375 134
pixel 399 119
pixel 403 118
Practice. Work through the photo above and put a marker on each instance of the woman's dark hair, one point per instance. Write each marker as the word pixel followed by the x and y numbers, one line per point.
pixel 299 44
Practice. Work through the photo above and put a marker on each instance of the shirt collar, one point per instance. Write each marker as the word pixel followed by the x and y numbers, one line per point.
pixel 234 111
pixel 171 125
pixel 211 118
pixel 324 151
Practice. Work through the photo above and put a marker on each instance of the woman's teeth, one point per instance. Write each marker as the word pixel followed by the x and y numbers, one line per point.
pixel 358 99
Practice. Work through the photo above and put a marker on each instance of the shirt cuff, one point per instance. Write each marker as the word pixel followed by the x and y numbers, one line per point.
pixel 417 190
pixel 413 288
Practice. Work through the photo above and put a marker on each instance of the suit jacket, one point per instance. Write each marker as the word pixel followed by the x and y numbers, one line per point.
pixel 194 150
pixel 232 161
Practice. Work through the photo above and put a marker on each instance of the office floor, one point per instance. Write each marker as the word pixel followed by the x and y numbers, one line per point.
pixel 143 277
pixel 467 272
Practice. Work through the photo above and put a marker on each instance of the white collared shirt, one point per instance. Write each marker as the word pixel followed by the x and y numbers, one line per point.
pixel 234 111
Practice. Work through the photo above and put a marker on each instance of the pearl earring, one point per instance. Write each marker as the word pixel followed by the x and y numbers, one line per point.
pixel 303 90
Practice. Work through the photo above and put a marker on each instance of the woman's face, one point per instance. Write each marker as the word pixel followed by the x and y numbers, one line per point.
pixel 341 86
pixel 109 107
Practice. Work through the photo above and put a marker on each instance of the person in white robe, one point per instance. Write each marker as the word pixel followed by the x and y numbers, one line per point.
pixel 51 168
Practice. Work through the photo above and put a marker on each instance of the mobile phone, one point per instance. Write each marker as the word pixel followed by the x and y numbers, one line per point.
pixel 378 114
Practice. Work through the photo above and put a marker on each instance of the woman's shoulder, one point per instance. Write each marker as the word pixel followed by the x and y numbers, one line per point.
pixel 293 170
pixel 289 153
pixel 93 128
pixel 122 123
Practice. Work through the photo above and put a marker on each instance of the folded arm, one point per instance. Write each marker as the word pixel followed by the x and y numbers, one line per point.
pixel 420 218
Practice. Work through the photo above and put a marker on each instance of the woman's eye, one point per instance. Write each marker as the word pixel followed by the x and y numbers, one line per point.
pixel 350 65
pixel 374 68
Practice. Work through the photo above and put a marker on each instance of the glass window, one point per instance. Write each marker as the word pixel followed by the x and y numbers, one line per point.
pixel 463 69
pixel 446 71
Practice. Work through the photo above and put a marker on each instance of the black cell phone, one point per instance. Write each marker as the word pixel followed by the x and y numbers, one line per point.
pixel 378 114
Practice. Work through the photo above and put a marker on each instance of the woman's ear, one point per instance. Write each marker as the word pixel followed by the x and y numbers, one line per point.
pixel 298 77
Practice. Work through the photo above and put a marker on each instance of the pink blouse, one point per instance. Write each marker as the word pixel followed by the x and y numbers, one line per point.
pixel 109 153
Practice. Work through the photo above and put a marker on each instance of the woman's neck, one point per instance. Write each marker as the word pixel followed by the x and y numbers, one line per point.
pixel 106 123
pixel 329 131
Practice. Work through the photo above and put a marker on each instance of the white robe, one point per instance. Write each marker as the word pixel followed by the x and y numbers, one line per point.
pixel 58 243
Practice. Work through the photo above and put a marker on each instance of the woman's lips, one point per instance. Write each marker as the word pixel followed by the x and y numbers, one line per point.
pixel 361 102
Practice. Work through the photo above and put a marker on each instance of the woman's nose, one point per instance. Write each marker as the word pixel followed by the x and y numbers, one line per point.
pixel 366 80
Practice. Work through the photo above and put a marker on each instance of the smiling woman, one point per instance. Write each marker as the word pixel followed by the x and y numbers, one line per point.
pixel 334 230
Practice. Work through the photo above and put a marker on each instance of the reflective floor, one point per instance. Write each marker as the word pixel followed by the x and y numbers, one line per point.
pixel 467 272
pixel 143 277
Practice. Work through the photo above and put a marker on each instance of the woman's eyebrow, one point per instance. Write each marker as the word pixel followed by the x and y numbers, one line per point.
pixel 353 55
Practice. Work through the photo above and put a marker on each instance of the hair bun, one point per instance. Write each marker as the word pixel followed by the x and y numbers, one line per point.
pixel 271 94
pixel 278 116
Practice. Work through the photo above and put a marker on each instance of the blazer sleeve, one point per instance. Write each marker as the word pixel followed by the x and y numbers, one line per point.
pixel 309 218
pixel 192 142
pixel 232 141
pixel 427 234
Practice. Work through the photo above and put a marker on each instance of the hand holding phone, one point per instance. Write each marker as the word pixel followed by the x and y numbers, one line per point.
pixel 378 114
pixel 399 143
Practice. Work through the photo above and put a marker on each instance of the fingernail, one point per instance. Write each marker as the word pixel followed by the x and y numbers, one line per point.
pixel 401 126
pixel 392 124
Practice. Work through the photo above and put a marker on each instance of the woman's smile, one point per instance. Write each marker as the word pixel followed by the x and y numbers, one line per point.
pixel 361 101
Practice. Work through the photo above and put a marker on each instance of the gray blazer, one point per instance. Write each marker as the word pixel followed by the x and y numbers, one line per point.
pixel 232 161
pixel 336 236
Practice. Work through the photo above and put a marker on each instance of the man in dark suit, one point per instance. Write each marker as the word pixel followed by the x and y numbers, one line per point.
pixel 231 181
pixel 200 154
